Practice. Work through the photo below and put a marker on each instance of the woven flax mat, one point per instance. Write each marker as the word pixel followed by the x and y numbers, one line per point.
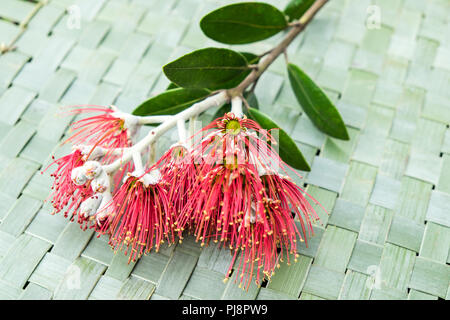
pixel 387 190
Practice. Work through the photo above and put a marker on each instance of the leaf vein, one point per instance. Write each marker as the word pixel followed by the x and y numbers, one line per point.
pixel 257 26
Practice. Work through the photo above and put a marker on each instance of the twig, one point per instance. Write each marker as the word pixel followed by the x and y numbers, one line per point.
pixel 213 101
pixel 286 58
pixel 4 48
pixel 219 98
pixel 279 49
pixel 247 106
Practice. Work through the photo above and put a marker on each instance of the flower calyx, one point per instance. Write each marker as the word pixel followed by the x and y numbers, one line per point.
pixel 152 177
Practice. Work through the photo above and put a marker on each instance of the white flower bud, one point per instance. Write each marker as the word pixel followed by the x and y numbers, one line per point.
pixel 105 208
pixel 101 183
pixel 94 153
pixel 180 145
pixel 78 176
pixel 92 169
pixel 126 177
pixel 89 206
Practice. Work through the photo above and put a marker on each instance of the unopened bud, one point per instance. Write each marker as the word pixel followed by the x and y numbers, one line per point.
pixel 90 152
pixel 78 176
pixel 101 183
pixel 89 206
pixel 105 208
pixel 92 169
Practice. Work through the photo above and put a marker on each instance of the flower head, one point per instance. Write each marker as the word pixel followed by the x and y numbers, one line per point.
pixel 269 232
pixel 108 129
pixel 70 186
pixel 242 202
pixel 138 219
pixel 179 173
pixel 101 134
pixel 231 140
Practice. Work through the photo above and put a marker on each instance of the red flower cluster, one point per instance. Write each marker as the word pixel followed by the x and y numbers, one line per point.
pixel 139 219
pixel 65 192
pixel 179 171
pixel 94 138
pixel 231 188
pixel 101 130
pixel 240 201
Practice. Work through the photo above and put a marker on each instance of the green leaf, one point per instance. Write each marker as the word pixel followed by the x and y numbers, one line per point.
pixel 221 111
pixel 206 68
pixel 170 102
pixel 172 86
pixel 316 104
pixel 296 8
pixel 251 59
pixel 289 151
pixel 243 22
pixel 251 100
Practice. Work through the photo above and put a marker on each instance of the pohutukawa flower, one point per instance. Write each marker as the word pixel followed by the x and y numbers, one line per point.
pixel 233 204
pixel 138 219
pixel 108 129
pixel 262 249
pixel 235 140
pixel 70 186
pixel 180 173
pixel 78 186
pixel 100 134
pixel 230 187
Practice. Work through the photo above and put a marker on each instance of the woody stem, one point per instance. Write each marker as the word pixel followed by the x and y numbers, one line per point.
pixel 215 100
pixel 297 28
pixel 220 98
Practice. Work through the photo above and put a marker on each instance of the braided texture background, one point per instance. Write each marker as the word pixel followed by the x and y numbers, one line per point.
pixel 387 189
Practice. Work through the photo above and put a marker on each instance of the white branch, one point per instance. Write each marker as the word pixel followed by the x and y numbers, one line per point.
pixel 216 100
pixel 192 129
pixel 153 119
pixel 182 135
pixel 236 106
pixel 138 167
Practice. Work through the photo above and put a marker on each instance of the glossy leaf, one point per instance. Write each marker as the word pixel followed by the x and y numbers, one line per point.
pixel 296 8
pixel 288 149
pixel 316 104
pixel 172 86
pixel 251 59
pixel 243 22
pixel 206 68
pixel 221 111
pixel 171 102
pixel 251 100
